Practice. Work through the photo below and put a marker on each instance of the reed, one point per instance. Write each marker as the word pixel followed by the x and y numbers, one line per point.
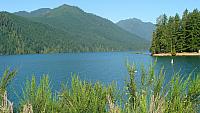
pixel 38 97
pixel 151 95
pixel 6 105
pixel 180 95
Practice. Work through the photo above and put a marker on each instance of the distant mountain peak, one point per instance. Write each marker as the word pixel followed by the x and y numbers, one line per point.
pixel 22 13
pixel 138 27
pixel 47 11
pixel 68 7
pixel 135 19
pixel 40 12
pixel 65 5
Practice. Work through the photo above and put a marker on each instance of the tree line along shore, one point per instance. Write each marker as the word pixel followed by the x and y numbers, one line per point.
pixel 176 36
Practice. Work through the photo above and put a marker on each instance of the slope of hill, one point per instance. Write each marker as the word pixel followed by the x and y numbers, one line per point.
pixel 136 26
pixel 19 35
pixel 63 29
pixel 36 13
pixel 85 25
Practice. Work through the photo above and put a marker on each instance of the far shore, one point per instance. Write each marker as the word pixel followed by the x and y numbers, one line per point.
pixel 178 54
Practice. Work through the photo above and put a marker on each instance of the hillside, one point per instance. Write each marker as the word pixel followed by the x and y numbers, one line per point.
pixel 85 26
pixel 63 29
pixel 19 35
pixel 136 26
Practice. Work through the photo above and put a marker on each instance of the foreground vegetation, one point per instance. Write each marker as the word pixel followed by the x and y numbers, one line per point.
pixel 176 34
pixel 152 95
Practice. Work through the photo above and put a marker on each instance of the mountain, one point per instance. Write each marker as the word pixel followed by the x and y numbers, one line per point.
pixel 63 29
pixel 85 25
pixel 136 26
pixel 19 35
pixel 35 13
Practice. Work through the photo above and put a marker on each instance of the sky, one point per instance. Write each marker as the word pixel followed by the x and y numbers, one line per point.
pixel 114 10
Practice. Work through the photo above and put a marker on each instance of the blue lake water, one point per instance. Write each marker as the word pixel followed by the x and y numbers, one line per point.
pixel 101 66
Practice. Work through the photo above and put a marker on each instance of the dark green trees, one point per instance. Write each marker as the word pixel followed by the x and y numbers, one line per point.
pixel 175 34
pixel 51 33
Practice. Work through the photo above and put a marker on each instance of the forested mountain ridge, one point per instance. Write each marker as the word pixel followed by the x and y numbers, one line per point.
pixel 63 29
pixel 175 34
pixel 74 20
pixel 36 13
pixel 22 36
pixel 138 27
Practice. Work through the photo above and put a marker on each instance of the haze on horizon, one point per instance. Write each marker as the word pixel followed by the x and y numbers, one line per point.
pixel 113 10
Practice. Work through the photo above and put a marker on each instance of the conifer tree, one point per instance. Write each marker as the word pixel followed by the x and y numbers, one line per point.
pixel 175 34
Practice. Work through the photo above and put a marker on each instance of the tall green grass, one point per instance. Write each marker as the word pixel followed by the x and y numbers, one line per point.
pixel 39 96
pixel 151 95
pixel 6 106
pixel 81 97
pixel 180 95
pixel 84 97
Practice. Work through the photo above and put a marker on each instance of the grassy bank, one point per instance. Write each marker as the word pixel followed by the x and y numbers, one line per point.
pixel 180 95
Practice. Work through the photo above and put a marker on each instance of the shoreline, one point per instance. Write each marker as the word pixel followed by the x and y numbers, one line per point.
pixel 178 54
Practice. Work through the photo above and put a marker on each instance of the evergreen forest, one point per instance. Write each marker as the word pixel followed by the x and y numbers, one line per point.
pixel 177 34
pixel 63 29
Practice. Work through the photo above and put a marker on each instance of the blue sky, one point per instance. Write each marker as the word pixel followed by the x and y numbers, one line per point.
pixel 114 10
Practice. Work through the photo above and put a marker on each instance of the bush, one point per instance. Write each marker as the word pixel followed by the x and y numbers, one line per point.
pixel 152 94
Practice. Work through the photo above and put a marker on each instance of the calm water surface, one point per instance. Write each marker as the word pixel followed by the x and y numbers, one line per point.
pixel 104 67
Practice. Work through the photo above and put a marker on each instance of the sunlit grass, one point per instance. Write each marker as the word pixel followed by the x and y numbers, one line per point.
pixel 151 95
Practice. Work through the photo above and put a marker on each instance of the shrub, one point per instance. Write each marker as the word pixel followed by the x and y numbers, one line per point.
pixel 152 94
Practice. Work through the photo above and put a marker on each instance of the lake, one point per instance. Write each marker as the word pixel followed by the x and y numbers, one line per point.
pixel 100 66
